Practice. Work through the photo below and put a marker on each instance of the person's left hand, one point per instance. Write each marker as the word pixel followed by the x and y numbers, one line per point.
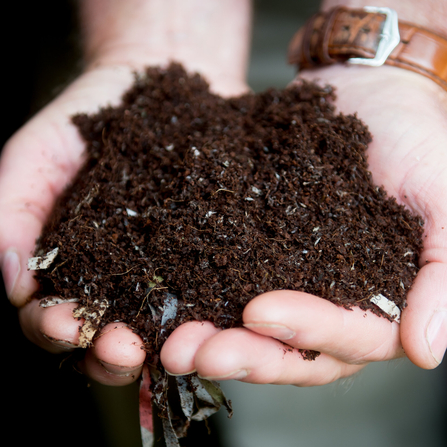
pixel 277 324
pixel 407 115
pixel 36 165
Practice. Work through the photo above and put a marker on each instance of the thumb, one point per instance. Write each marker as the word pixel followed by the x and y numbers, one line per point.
pixel 36 165
pixel 424 321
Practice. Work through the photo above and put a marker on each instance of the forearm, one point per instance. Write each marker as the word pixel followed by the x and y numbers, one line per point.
pixel 212 37
pixel 431 14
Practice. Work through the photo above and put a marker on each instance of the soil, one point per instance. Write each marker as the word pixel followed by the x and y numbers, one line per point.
pixel 190 205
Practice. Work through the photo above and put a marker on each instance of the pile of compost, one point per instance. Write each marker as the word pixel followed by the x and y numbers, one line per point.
pixel 190 205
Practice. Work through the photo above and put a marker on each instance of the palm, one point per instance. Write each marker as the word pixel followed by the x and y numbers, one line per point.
pixel 407 115
pixel 407 121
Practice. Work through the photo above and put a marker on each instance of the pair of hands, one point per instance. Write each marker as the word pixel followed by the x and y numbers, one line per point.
pixel 407 116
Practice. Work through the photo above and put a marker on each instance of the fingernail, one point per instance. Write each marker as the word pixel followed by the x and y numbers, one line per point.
pixel 437 335
pixel 180 374
pixel 120 370
pixel 10 270
pixel 64 344
pixel 235 375
pixel 277 331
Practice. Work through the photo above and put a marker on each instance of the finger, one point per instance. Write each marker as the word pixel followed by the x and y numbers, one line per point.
pixel 244 355
pixel 36 165
pixel 424 321
pixel 309 322
pixel 179 350
pixel 116 357
pixel 29 183
pixel 52 328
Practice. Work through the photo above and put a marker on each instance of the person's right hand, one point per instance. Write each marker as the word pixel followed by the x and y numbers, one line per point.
pixel 36 164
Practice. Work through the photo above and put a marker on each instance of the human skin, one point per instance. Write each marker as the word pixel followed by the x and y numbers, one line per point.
pixel 119 37
pixel 408 157
pixel 406 114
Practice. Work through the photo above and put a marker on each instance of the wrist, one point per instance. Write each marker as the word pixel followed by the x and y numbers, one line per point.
pixel 430 14
pixel 347 33
pixel 209 37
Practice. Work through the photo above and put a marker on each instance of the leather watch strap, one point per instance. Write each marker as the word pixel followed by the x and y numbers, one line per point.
pixel 341 34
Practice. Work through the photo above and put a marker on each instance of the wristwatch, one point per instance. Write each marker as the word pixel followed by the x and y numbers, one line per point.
pixel 370 36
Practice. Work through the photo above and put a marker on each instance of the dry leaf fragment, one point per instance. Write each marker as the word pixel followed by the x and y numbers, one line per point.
pixel 55 300
pixel 387 306
pixel 197 399
pixel 209 398
pixel 92 315
pixel 186 396
pixel 169 310
pixel 42 262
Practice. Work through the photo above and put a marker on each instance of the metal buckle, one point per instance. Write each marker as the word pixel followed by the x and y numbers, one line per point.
pixel 389 39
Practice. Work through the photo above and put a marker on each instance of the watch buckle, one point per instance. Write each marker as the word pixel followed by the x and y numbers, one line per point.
pixel 389 38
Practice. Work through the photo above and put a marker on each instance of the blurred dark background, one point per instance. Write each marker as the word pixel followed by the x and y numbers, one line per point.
pixel 47 401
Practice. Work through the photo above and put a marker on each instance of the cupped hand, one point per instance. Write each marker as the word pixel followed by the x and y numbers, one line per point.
pixel 276 323
pixel 407 116
pixel 36 165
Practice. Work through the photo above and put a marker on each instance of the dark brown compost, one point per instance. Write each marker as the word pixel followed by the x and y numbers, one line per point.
pixel 212 201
